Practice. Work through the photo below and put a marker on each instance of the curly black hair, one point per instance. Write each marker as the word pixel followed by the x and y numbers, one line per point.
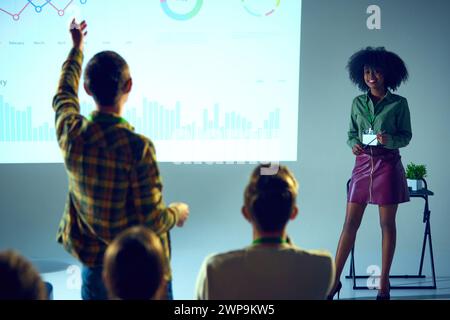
pixel 390 65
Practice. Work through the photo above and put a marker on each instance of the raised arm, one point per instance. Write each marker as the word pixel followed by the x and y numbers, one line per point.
pixel 65 103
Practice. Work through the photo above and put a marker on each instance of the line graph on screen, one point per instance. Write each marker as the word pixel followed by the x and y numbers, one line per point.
pixel 39 7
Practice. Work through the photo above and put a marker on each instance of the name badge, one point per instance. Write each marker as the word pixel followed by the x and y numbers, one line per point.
pixel 369 138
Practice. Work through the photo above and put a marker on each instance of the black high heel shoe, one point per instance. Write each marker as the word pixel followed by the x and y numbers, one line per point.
pixel 384 296
pixel 336 290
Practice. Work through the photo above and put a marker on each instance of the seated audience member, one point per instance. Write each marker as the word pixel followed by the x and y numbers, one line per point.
pixel 134 266
pixel 19 280
pixel 272 267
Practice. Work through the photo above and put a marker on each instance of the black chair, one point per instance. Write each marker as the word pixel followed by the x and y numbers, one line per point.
pixel 424 194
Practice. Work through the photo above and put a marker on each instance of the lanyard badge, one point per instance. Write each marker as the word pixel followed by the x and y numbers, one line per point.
pixel 369 138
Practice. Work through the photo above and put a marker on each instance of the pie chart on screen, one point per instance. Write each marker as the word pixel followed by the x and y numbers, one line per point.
pixel 181 10
pixel 261 8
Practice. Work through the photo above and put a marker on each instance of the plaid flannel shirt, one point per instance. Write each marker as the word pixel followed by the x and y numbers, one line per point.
pixel 113 176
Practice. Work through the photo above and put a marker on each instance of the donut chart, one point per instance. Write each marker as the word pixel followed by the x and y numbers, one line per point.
pixel 181 16
pixel 260 8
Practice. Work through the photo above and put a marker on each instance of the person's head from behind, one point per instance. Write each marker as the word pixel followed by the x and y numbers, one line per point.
pixel 19 280
pixel 107 79
pixel 134 266
pixel 270 200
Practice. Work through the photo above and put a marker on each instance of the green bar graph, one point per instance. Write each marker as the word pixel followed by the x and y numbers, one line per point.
pixel 178 115
pixel 171 124
pixel 7 126
pixel 13 124
pixel 152 119
pixel 24 126
pixel 216 116
pixel 205 119
pixel 18 125
pixel 233 120
pixel 146 117
pixel 166 124
pixel 46 135
pixel 155 121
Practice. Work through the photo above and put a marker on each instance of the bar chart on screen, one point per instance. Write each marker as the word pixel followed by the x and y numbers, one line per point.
pixel 155 121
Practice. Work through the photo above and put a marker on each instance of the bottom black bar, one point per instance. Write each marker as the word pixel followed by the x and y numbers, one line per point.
pixel 241 310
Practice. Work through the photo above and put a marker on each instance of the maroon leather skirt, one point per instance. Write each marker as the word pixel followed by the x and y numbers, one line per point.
pixel 378 178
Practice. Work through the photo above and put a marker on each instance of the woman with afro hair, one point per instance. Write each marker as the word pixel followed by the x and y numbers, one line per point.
pixel 379 125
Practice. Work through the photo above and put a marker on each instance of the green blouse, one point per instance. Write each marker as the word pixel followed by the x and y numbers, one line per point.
pixel 391 115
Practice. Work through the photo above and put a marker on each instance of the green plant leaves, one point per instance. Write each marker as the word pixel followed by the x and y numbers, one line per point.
pixel 416 171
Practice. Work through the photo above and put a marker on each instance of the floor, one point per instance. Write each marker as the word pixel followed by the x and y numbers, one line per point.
pixel 441 293
pixel 66 281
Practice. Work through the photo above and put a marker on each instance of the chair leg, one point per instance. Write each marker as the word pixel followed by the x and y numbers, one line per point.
pixel 424 245
pixel 431 256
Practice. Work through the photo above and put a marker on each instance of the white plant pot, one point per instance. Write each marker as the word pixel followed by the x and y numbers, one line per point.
pixel 415 185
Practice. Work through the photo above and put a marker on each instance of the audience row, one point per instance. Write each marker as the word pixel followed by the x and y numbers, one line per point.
pixel 272 267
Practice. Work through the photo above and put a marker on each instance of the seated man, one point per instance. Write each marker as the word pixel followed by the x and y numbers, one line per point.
pixel 19 280
pixel 134 266
pixel 272 267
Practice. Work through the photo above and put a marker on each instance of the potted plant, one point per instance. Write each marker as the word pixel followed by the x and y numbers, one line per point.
pixel 414 174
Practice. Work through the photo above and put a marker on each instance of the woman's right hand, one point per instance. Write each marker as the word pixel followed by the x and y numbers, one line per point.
pixel 357 150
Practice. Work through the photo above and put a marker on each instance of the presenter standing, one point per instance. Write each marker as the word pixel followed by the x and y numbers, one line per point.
pixel 380 125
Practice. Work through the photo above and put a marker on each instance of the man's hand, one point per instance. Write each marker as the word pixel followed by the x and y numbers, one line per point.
pixel 357 150
pixel 183 212
pixel 78 31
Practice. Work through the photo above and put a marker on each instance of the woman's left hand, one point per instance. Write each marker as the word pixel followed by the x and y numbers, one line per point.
pixel 383 138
